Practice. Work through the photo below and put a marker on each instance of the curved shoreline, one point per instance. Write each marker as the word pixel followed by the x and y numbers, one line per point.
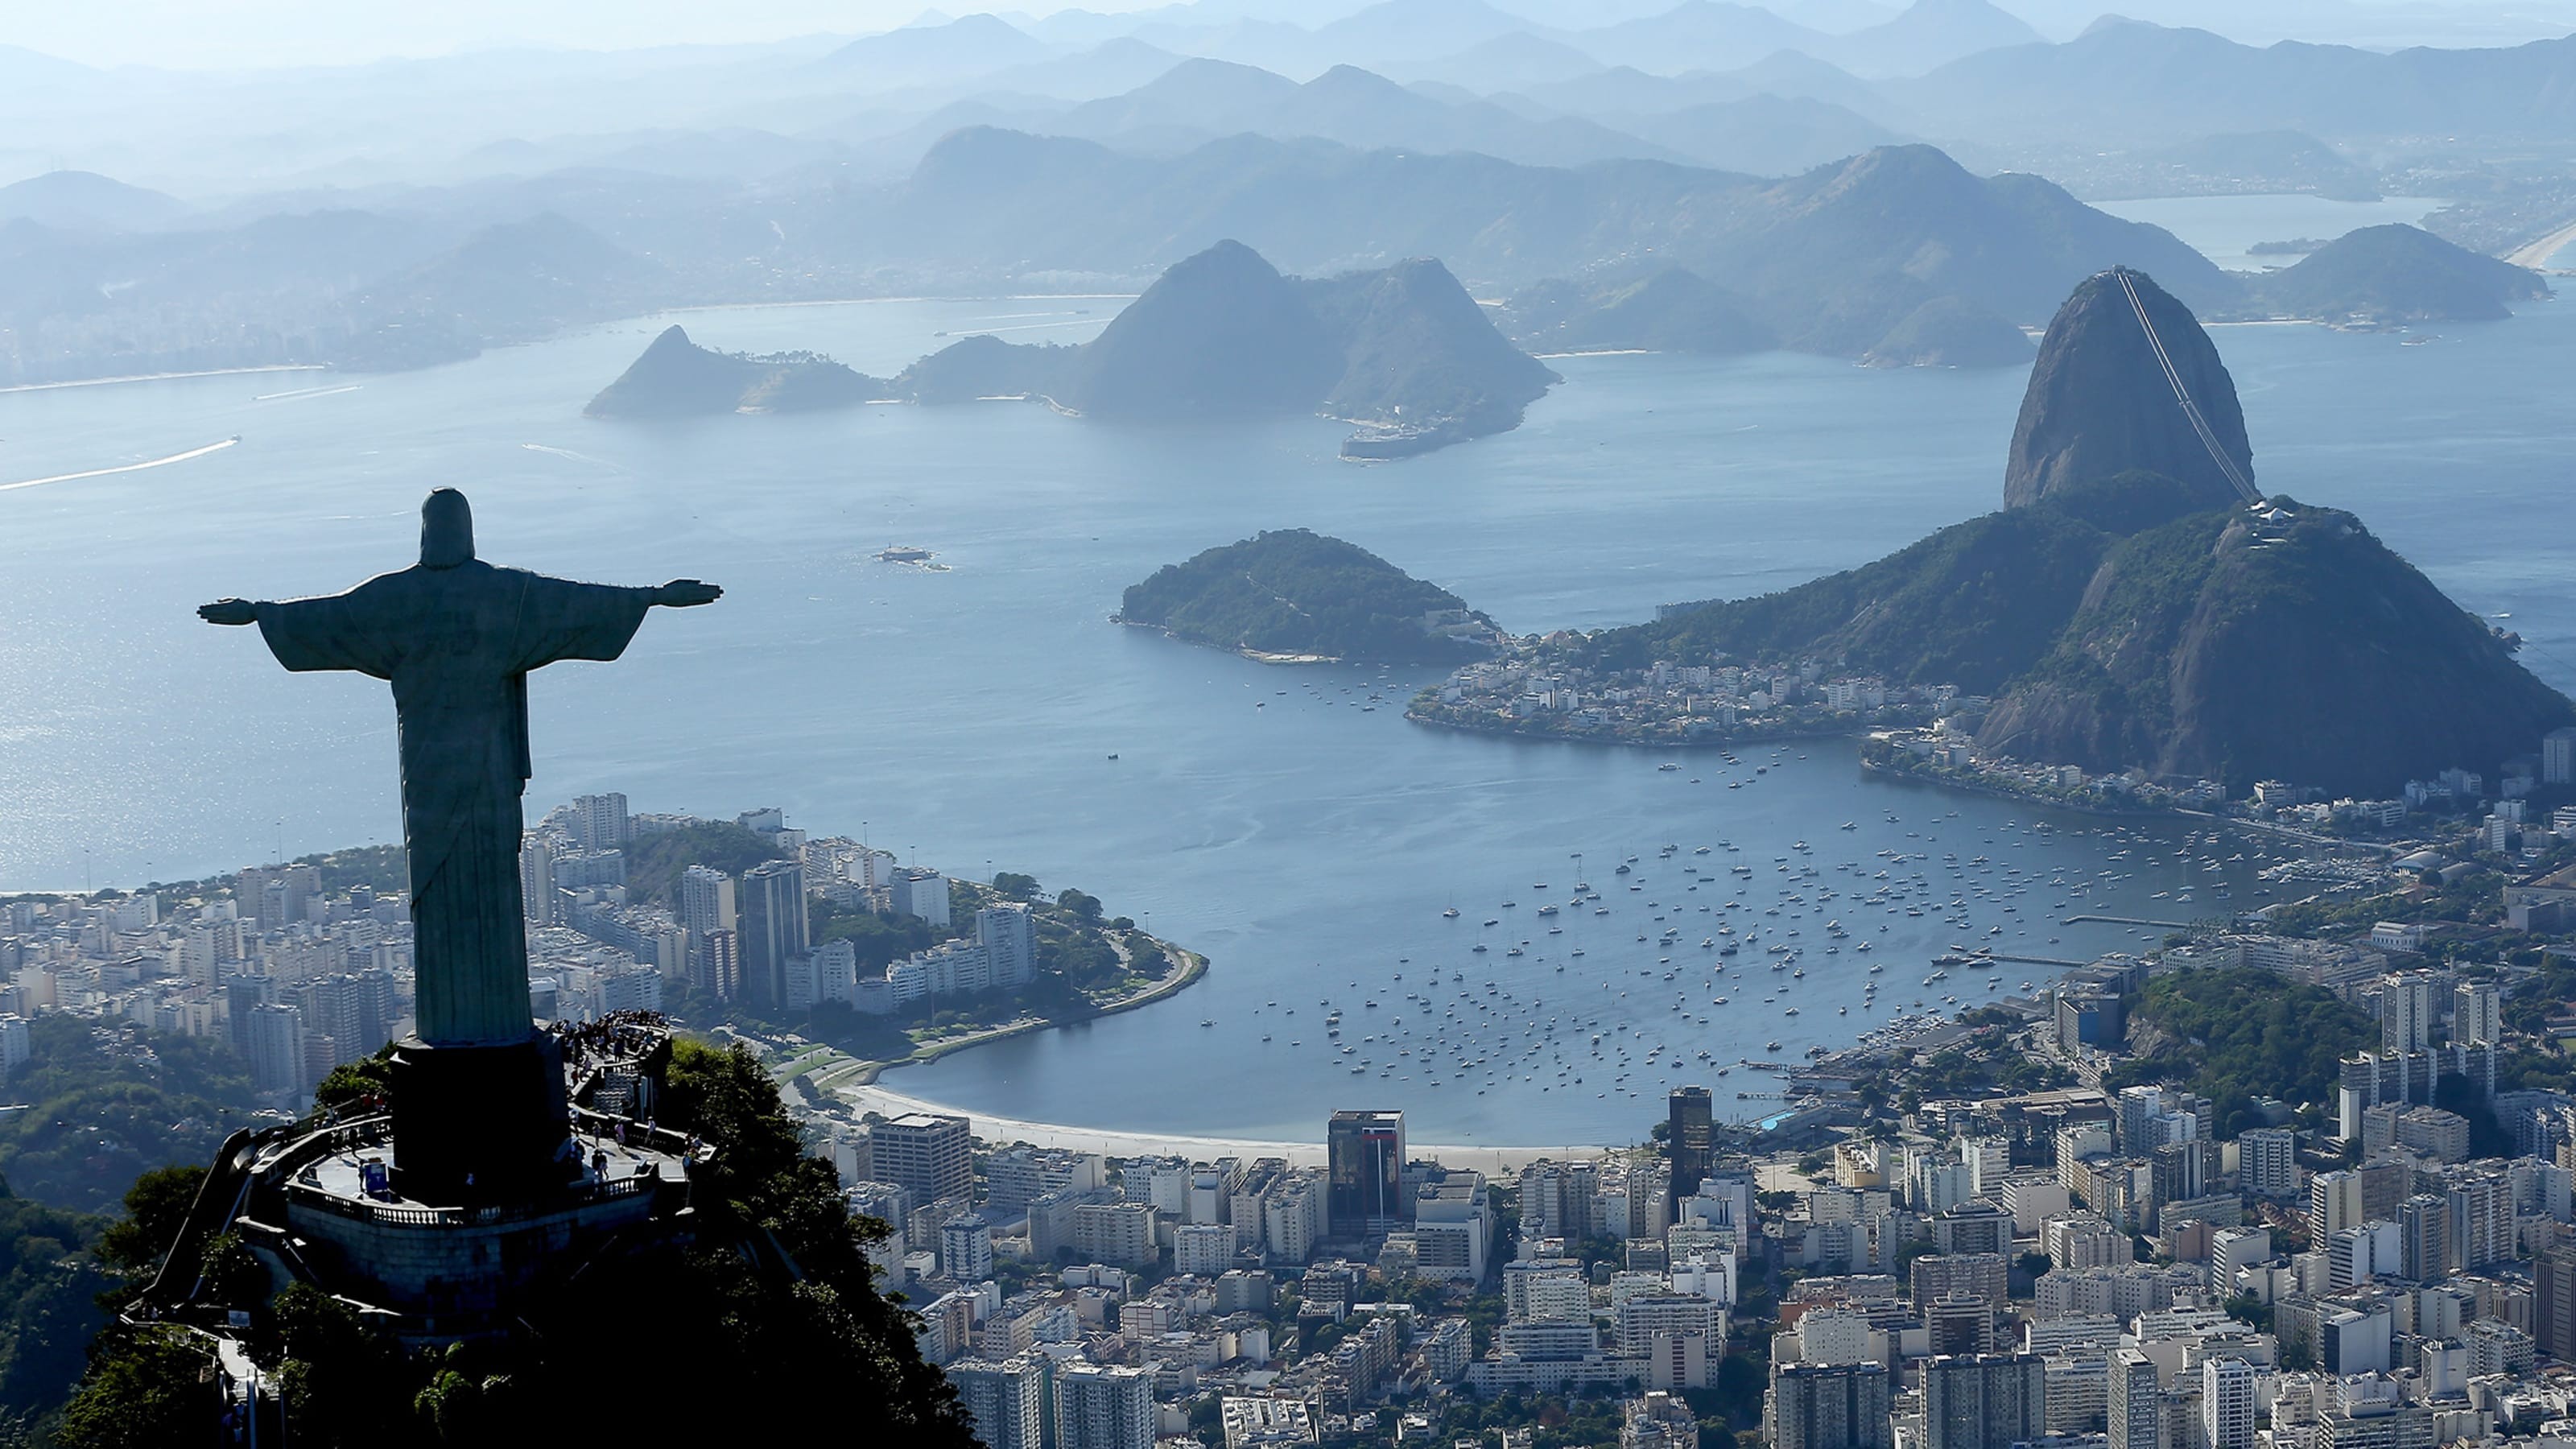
pixel 862 1072
pixel 1624 742
pixel 857 1083
pixel 1115 1143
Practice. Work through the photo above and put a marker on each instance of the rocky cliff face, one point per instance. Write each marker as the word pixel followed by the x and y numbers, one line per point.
pixel 2099 403
pixel 2286 644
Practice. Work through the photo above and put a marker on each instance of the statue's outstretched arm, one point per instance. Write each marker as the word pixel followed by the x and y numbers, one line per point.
pixel 686 594
pixel 230 611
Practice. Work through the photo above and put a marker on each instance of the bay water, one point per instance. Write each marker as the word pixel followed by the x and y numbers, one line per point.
pixel 1305 840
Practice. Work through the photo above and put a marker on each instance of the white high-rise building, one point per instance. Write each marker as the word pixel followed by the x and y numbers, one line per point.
pixel 2267 1162
pixel 836 972
pixel 1292 1218
pixel 1832 1336
pixel 2406 1010
pixel 14 1049
pixel 1010 946
pixel 706 904
pixel 2477 1014
pixel 599 822
pixel 922 893
pixel 2227 1403
pixel 1007 1400
pixel 1988 1161
pixel 966 1248
pixel 1202 1250
pixel 537 878
pixel 1539 1290
pixel 1101 1406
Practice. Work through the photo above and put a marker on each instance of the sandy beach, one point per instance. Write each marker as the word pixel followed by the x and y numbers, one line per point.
pixel 875 1097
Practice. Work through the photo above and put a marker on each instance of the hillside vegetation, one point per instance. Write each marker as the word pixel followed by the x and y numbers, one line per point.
pixel 108 1100
pixel 1975 604
pixel 2235 1033
pixel 2290 645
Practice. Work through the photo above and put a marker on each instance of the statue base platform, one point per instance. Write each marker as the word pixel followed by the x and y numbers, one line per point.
pixel 469 1204
pixel 441 1270
pixel 478 1125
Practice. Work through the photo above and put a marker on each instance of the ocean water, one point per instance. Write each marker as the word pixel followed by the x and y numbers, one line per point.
pixel 1268 817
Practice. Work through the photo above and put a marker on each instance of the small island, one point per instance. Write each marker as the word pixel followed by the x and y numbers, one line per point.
pixel 1403 354
pixel 1294 596
pixel 2385 275
pixel 677 378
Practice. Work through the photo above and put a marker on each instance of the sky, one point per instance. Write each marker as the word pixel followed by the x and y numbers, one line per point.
pixel 229 34
pixel 244 34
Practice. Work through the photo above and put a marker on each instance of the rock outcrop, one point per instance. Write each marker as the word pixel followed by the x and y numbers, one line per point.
pixel 2100 403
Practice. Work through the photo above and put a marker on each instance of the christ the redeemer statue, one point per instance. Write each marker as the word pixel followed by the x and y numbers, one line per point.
pixel 457 637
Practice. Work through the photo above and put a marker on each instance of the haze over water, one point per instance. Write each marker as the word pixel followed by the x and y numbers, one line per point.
pixel 1303 845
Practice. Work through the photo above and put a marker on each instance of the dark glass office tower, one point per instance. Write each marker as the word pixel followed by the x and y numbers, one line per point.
pixel 1365 1156
pixel 1692 1128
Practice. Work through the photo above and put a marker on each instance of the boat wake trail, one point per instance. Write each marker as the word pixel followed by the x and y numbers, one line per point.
pixel 306 392
pixel 576 457
pixel 127 468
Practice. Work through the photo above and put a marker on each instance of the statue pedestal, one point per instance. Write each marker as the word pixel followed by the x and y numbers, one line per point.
pixel 479 1124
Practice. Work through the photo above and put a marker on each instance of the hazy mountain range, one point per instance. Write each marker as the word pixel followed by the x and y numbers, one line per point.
pixel 1528 80
pixel 1782 159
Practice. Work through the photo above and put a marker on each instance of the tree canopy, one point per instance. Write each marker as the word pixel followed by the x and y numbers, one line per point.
pixel 2240 1032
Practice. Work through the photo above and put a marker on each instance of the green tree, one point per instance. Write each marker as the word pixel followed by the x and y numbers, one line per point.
pixel 351 1083
pixel 336 1373
pixel 148 1388
pixel 155 1207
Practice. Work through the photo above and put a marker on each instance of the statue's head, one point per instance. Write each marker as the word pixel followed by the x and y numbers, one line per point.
pixel 446 530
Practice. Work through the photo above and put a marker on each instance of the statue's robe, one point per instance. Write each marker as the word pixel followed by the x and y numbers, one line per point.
pixel 457 644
